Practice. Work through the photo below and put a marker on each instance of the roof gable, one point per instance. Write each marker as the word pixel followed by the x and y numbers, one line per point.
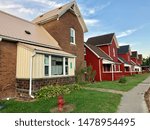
pixel 98 52
pixel 58 12
pixel 103 40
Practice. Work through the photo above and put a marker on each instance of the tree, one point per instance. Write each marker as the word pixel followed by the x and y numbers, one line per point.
pixel 146 61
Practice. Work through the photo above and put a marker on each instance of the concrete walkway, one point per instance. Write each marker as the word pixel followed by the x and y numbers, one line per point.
pixel 133 100
pixel 105 90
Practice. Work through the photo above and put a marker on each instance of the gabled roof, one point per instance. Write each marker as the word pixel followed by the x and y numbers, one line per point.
pixel 132 62
pixel 20 30
pixel 98 52
pixel 58 12
pixel 134 54
pixel 123 49
pixel 103 40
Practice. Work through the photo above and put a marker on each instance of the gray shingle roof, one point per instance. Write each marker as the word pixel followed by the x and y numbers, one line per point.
pixel 123 49
pixel 101 40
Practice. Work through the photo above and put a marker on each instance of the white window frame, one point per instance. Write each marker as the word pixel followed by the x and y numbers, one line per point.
pixel 72 34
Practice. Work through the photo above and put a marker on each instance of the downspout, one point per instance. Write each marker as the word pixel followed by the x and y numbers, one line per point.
pixel 112 72
pixel 31 70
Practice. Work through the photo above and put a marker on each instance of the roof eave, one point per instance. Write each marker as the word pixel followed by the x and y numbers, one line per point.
pixel 28 42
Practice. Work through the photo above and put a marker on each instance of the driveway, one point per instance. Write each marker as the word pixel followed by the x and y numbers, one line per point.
pixel 133 100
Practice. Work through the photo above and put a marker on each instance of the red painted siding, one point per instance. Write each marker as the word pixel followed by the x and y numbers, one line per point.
pixel 92 60
pixel 113 47
pixel 126 57
pixel 105 48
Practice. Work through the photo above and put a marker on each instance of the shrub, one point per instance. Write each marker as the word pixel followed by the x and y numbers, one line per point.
pixel 54 91
pixel 123 80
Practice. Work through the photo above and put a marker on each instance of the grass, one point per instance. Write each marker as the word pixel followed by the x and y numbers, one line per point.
pixel 84 100
pixel 132 81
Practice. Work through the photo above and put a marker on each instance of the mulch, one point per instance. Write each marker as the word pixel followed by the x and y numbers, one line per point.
pixel 147 99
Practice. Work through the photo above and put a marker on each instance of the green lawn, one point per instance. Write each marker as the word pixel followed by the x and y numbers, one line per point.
pixel 132 81
pixel 84 101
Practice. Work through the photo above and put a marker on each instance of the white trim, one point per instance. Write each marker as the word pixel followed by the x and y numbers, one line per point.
pixel 127 65
pixel 104 44
pixel 92 50
pixel 64 66
pixel 115 39
pixel 107 62
pixel 50 65
pixel 0 39
pixel 112 72
pixel 100 70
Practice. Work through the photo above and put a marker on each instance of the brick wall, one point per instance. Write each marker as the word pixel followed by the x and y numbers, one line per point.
pixel 8 52
pixel 60 30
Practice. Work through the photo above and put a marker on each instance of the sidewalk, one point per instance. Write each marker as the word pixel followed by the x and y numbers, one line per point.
pixel 133 100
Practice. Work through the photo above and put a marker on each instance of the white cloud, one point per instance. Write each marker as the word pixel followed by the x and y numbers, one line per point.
pixel 50 3
pixel 15 8
pixel 91 22
pixel 126 33
pixel 101 7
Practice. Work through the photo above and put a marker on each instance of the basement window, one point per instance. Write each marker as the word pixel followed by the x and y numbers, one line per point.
pixel 27 32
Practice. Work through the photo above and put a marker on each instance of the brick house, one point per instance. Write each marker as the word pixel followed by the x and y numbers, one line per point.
pixel 62 22
pixel 101 54
pixel 45 51
pixel 124 53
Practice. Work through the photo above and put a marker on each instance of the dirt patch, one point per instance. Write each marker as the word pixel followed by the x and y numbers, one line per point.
pixel 147 99
pixel 66 109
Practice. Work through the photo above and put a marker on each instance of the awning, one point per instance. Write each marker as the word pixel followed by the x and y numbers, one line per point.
pixel 107 62
pixel 43 50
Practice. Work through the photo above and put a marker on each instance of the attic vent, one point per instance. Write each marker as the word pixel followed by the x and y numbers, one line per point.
pixel 27 32
pixel 60 8
pixel 41 16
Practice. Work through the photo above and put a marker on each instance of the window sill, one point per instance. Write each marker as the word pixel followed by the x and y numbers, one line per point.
pixel 72 43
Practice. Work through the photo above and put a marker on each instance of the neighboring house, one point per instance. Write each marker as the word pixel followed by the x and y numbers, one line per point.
pixel 101 54
pixel 135 61
pixel 67 26
pixel 30 57
pixel 124 53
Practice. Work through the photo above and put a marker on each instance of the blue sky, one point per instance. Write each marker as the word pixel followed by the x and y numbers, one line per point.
pixel 129 19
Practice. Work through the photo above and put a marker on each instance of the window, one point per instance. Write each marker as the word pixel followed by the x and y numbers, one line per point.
pixel 46 65
pixel 66 66
pixel 57 65
pixel 72 36
pixel 114 52
pixel 107 67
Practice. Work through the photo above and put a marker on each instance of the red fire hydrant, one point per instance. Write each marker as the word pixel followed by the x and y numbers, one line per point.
pixel 60 103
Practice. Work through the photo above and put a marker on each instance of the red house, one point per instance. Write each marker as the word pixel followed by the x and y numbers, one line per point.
pixel 101 54
pixel 135 60
pixel 124 53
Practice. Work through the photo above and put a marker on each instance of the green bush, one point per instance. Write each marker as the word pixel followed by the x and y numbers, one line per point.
pixel 123 80
pixel 54 91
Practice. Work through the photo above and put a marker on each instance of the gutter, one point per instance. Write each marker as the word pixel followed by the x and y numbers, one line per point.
pixel 31 70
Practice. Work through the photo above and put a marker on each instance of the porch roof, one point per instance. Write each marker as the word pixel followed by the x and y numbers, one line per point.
pixel 43 50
